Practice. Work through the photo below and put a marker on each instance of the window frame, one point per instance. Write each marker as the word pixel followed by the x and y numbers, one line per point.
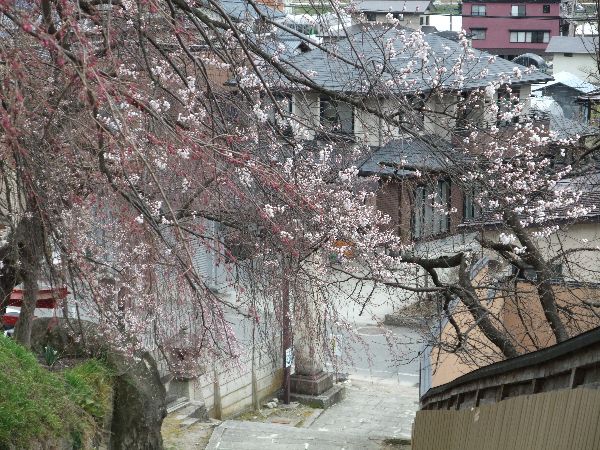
pixel 471 209
pixel 479 12
pixel 336 126
pixel 427 219
pixel 529 36
pixel 521 10
pixel 473 30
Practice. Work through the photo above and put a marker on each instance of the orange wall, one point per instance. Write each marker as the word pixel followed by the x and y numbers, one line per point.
pixel 521 315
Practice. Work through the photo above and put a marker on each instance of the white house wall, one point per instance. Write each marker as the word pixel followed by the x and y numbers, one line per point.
pixel 306 110
pixel 525 97
pixel 581 65
pixel 583 266
pixel 409 20
pixel 438 121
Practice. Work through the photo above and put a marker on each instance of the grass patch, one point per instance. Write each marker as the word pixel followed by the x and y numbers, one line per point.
pixel 37 405
pixel 396 443
pixel 90 386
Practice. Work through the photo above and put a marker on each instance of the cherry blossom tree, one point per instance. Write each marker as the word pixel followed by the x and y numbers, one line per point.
pixel 128 129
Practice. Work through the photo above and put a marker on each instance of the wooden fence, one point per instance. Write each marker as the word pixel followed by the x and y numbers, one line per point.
pixel 568 419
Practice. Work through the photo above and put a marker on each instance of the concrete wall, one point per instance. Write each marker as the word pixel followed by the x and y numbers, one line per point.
pixel 232 390
pixel 231 387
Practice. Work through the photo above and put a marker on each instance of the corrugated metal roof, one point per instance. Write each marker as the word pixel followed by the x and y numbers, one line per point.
pixel 572 44
pixel 570 80
pixel 393 6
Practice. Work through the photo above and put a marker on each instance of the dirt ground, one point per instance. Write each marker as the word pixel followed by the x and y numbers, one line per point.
pixel 177 436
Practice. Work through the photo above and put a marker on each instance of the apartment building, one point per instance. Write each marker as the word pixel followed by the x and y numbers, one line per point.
pixel 511 28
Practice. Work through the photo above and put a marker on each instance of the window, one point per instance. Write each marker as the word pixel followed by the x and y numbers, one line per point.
pixel 430 215
pixel 546 9
pixel 284 104
pixel 478 10
pixel 371 16
pixel 336 117
pixel 517 10
pixel 507 98
pixel 424 20
pixel 478 34
pixel 471 208
pixel 530 36
pixel 528 272
pixel 398 16
pixel 568 55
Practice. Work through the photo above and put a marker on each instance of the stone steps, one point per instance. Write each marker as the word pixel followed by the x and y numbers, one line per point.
pixel 193 410
pixel 188 412
pixel 177 404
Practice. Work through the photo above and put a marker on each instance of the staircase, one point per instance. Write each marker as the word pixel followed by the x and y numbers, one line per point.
pixel 188 412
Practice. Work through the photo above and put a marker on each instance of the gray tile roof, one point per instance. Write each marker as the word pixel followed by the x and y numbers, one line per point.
pixel 427 153
pixel 573 44
pixel 588 186
pixel 364 46
pixel 240 10
pixel 393 6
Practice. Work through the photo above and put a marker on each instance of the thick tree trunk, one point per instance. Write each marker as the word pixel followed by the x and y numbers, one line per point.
pixel 535 259
pixel 31 249
pixel 481 315
pixel 25 323
pixel 9 273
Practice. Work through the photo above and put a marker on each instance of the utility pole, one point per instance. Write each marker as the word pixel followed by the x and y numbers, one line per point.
pixel 286 334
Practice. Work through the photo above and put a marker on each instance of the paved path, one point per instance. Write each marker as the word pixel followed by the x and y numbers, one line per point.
pixel 373 410
pixel 370 413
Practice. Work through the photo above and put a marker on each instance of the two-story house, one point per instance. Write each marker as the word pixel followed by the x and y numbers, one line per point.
pixel 577 55
pixel 510 28
pixel 412 105
pixel 409 13
pixel 432 208
pixel 403 92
